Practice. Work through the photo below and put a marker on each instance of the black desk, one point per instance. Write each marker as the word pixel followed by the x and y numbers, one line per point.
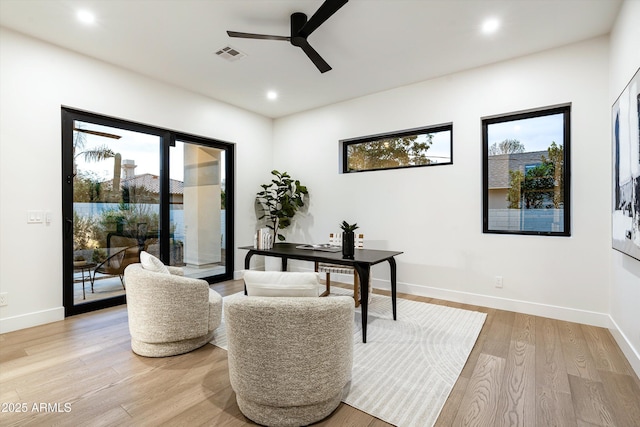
pixel 362 261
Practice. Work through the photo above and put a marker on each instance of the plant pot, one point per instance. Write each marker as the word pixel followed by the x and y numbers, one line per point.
pixel 348 244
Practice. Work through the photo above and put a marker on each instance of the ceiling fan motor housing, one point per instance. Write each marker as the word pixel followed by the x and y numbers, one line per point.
pixel 298 19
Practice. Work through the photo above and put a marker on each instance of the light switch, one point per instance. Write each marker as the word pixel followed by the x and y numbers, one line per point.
pixel 34 217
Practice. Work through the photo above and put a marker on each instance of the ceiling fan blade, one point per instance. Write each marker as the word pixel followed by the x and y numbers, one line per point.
pixel 328 8
pixel 95 132
pixel 315 57
pixel 257 36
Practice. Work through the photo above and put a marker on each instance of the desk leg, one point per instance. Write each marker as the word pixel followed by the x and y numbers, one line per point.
pixel 363 274
pixel 392 265
pixel 247 266
pixel 247 260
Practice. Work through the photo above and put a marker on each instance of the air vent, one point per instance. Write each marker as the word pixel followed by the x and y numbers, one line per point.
pixel 230 54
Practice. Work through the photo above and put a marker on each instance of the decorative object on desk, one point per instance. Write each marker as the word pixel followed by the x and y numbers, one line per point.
pixel 279 201
pixel 348 238
pixel 325 247
pixel 263 239
pixel 328 269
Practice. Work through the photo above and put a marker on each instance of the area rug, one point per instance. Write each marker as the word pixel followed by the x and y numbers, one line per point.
pixel 406 370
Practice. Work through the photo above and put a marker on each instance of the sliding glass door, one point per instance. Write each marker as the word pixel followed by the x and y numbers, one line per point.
pixel 129 188
pixel 116 203
pixel 198 213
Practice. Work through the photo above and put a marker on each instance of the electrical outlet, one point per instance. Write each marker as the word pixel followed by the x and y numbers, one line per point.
pixel 498 281
pixel 3 299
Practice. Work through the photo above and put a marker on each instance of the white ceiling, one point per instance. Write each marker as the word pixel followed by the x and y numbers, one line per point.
pixel 372 45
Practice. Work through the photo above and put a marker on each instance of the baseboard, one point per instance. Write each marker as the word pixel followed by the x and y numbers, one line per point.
pixel 9 324
pixel 526 307
pixel 536 309
pixel 625 345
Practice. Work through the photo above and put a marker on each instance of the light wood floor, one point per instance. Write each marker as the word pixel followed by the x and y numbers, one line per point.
pixel 524 371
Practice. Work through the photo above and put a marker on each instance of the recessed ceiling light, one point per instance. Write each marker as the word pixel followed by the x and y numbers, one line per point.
pixel 272 95
pixel 490 26
pixel 85 17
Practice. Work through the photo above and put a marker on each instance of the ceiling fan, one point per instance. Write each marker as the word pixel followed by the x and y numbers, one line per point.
pixel 301 29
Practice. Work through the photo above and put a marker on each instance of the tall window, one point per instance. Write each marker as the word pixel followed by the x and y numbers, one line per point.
pixel 426 146
pixel 526 172
pixel 129 188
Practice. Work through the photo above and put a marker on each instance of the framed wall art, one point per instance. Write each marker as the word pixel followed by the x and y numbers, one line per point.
pixel 626 169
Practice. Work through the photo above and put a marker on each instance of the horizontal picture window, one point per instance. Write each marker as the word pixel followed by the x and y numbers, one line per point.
pixel 428 146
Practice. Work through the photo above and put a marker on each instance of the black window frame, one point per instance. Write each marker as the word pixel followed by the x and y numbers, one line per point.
pixel 168 138
pixel 345 143
pixel 565 110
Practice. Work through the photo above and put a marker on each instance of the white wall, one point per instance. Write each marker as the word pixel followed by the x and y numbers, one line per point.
pixel 625 286
pixel 434 214
pixel 37 79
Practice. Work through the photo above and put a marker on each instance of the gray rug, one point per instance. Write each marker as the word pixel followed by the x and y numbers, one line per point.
pixel 406 370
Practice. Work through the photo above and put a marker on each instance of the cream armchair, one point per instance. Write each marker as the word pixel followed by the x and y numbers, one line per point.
pixel 169 314
pixel 290 358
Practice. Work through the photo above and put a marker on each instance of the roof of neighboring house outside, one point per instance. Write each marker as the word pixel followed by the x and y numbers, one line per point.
pixel 149 182
pixel 501 164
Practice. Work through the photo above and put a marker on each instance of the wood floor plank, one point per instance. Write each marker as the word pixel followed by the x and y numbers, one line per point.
pixel 604 351
pixel 591 404
pixel 8 394
pixel 623 395
pixel 478 347
pixel 554 408
pixel 203 413
pixel 577 356
pixel 452 405
pixel 480 402
pixel 12 354
pixel 499 334
pixel 41 362
pixel 516 405
pixel 551 372
pixel 553 393
pixel 86 360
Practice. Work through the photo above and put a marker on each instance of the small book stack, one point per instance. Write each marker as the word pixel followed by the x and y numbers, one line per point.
pixel 263 239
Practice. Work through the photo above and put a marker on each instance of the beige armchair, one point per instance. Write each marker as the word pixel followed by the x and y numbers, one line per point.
pixel 169 314
pixel 290 358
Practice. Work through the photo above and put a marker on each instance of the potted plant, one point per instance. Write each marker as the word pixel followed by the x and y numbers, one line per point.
pixel 348 239
pixel 279 201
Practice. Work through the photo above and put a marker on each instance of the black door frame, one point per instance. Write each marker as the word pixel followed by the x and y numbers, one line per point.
pixel 167 139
